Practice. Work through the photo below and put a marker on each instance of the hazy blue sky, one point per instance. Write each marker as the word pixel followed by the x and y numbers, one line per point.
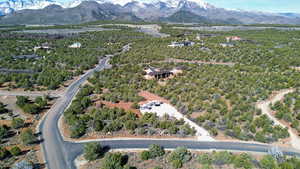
pixel 259 5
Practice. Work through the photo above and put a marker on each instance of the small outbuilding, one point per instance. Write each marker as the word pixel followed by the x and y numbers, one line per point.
pixel 233 38
pixel 154 73
pixel 225 45
pixel 75 45
pixel 44 46
pixel 181 44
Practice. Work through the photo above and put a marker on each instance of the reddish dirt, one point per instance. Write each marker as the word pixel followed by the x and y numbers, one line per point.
pixel 122 105
pixel 151 97
pixel 196 114
pixel 5 122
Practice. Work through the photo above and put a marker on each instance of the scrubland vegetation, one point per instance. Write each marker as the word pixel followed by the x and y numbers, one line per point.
pixel 288 110
pixel 59 63
pixel 18 138
pixel 157 158
pixel 220 98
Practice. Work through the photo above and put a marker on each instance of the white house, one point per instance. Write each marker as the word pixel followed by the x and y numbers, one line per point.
pixel 181 44
pixel 75 45
pixel 224 45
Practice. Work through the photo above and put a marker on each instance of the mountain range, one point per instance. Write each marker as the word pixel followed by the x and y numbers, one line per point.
pixel 78 11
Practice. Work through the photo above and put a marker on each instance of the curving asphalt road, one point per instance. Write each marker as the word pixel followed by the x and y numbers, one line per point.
pixel 54 147
pixel 60 154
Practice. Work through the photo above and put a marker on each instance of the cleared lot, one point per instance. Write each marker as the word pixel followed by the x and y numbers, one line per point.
pixel 164 108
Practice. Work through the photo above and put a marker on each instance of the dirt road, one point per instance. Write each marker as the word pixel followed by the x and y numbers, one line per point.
pixel 265 107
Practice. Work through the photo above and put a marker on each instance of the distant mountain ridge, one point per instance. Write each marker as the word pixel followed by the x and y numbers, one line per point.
pixel 78 11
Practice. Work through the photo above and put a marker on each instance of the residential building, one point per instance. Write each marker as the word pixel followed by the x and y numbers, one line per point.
pixel 224 45
pixel 75 45
pixel 233 38
pixel 181 44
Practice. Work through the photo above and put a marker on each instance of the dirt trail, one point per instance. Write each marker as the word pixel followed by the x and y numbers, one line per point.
pixel 170 60
pixel 265 107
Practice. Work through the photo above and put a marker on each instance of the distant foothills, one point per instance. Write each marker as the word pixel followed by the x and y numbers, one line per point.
pixel 177 11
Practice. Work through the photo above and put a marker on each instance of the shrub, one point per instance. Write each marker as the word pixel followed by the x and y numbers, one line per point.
pixel 17 123
pixel 3 108
pixel 3 131
pixel 243 161
pixel 22 100
pixel 15 151
pixel 31 108
pixel 135 105
pixel 205 158
pixel 222 157
pixel 268 162
pixel 145 155
pixel 180 156
pixel 3 153
pixel 27 137
pixel 130 125
pixel 92 151
pixel 112 161
pixel 156 150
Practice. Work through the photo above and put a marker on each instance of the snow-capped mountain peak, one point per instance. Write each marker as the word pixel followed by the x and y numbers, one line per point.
pixel 9 6
pixel 144 3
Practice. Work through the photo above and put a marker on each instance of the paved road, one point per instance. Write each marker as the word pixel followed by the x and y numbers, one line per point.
pixel 77 148
pixel 54 147
pixel 60 154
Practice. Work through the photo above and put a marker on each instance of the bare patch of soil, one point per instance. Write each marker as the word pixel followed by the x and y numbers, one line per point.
pixel 199 62
pixel 151 97
pixel 122 105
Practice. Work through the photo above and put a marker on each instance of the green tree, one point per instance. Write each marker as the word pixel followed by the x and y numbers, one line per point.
pixel 145 155
pixel 92 151
pixel 15 151
pixel 286 165
pixel 130 125
pixel 112 161
pixel 41 102
pixel 243 161
pixel 180 156
pixel 78 129
pixel 27 137
pixel 205 158
pixel 268 162
pixel 156 150
pixel 22 100
pixel 3 132
pixel 206 166
pixel 222 157
pixel 3 108
pixel 99 125
pixel 17 123
pixel 3 153
pixel 135 105
pixel 31 108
